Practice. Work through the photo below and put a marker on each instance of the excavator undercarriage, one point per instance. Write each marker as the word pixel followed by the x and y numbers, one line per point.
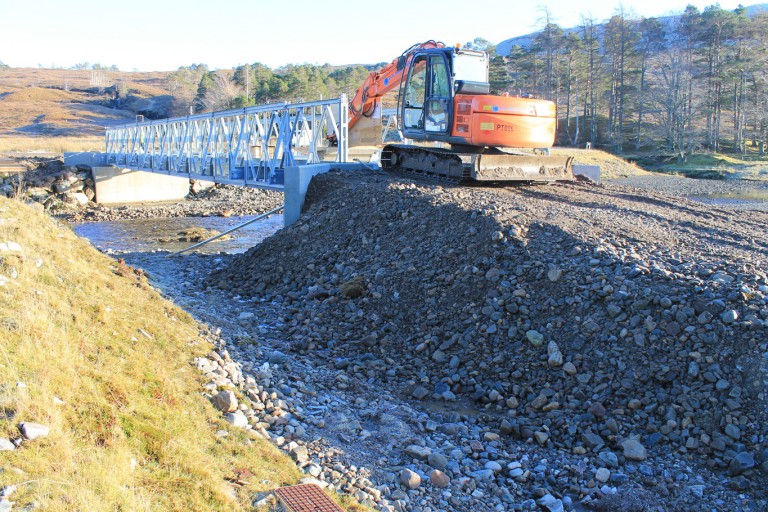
pixel 492 165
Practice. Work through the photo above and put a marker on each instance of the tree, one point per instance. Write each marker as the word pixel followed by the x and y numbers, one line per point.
pixel 652 40
pixel 183 85
pixel 619 42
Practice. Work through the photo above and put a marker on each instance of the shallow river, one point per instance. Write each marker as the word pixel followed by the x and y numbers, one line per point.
pixel 144 235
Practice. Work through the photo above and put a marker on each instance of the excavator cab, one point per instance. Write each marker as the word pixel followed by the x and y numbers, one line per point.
pixel 427 100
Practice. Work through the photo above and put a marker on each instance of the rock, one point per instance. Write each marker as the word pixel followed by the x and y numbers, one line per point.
pixel 418 452
pixel 225 401
pixel 609 459
pixel 9 246
pixel 732 431
pixel 550 503
pixel 569 368
pixel 6 445
pixel 740 463
pixel 597 409
pixel 535 337
pixel 437 460
pixel 410 479
pixel 555 356
pixel 237 419
pixel 729 316
pixel 439 479
pixel 634 450
pixel 554 275
pixel 602 475
pixel 32 431
pixel 299 452
pixel 493 466
pixel 420 392
pixel 541 437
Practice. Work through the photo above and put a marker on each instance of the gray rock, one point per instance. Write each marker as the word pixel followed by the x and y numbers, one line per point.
pixel 439 479
pixel 554 275
pixel 602 475
pixel 32 431
pixel 550 503
pixel 410 479
pixel 418 452
pixel 634 450
pixel 740 463
pixel 535 337
pixel 6 445
pixel 237 419
pixel 555 357
pixel 609 459
pixel 299 452
pixel 224 401
pixel 437 460
pixel 729 316
pixel 420 392
pixel 732 431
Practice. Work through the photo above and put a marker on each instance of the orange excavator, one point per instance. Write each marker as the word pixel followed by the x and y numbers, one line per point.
pixel 461 130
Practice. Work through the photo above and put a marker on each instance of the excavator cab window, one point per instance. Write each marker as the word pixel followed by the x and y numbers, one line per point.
pixel 427 95
pixel 415 93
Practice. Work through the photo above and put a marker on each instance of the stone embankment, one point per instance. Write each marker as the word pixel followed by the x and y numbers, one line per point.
pixel 512 348
pixel 68 192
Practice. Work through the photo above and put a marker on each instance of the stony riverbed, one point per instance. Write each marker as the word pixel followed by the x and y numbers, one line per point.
pixel 430 347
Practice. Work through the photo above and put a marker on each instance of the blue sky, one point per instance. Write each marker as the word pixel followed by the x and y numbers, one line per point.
pixel 162 35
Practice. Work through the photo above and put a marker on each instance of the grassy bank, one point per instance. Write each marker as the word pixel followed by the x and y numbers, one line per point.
pixel 611 166
pixel 712 166
pixel 89 350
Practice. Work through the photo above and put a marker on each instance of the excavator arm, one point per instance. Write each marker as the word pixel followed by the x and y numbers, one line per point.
pixel 378 83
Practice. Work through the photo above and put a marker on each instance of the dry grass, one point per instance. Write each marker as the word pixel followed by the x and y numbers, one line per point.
pixel 60 102
pixel 89 350
pixel 611 166
pixel 57 145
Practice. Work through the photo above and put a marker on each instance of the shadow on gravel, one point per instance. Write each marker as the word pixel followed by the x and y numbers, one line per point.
pixel 577 345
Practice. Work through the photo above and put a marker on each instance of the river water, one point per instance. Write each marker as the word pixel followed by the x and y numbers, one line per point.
pixel 145 235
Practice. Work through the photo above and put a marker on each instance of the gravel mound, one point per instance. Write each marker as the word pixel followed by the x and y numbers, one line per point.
pixel 596 321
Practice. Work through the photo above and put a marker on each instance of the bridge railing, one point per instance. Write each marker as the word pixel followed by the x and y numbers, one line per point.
pixel 249 146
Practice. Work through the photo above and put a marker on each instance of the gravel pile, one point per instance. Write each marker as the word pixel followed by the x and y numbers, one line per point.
pixel 617 339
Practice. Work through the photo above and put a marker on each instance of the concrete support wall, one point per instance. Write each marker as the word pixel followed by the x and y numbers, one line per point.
pixel 85 158
pixel 297 182
pixel 116 185
pixel 590 171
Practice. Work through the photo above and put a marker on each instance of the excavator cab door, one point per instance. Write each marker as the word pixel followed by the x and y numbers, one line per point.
pixel 427 100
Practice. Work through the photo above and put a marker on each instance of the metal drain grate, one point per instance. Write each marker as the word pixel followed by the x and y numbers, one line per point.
pixel 306 498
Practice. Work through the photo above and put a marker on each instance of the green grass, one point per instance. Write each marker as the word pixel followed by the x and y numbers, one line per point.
pixel 129 428
pixel 718 166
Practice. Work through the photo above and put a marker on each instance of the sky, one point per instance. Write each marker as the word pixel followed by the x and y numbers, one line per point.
pixel 162 35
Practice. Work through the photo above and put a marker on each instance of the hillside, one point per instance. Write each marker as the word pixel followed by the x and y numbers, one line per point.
pixel 526 40
pixel 101 405
pixel 62 102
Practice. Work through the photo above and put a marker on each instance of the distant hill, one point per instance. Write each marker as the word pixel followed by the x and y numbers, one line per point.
pixel 38 102
pixel 504 47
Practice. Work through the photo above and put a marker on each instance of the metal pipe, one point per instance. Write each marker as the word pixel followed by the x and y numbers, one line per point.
pixel 270 212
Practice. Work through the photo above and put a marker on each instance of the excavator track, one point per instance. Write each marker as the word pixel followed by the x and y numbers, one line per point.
pixel 491 166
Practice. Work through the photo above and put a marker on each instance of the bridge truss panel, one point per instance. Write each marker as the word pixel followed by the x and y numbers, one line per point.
pixel 250 146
